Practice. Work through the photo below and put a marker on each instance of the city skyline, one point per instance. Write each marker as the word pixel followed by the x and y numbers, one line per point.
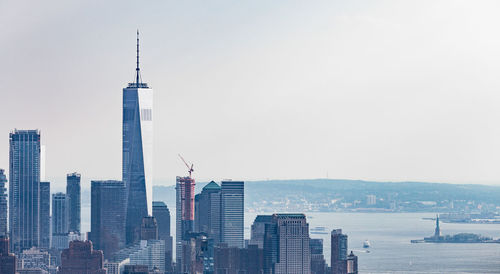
pixel 415 116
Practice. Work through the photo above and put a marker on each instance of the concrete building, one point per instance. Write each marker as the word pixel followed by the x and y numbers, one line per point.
pixel 149 228
pixel 137 157
pixel 24 189
pixel 73 193
pixel 150 253
pixel 338 252
pixel 293 244
pixel 34 258
pixel 108 216
pixel 352 264
pixel 232 213
pixel 45 237
pixel 81 258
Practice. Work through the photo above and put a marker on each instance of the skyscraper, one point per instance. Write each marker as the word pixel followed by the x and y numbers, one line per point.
pixel 59 214
pixel 45 215
pixel 108 216
pixel 232 213
pixel 184 217
pixel 162 215
pixel 7 259
pixel 338 252
pixel 149 228
pixel 3 204
pixel 318 264
pixel 207 213
pixel 258 229
pixel 24 189
pixel 293 238
pixel 352 264
pixel 137 169
pixel 73 190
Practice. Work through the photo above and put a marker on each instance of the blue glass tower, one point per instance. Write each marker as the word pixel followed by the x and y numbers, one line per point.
pixel 137 169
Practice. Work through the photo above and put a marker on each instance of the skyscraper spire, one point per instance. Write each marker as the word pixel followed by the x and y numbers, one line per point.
pixel 137 69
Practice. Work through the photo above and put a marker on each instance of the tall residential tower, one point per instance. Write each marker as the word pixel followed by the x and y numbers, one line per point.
pixel 73 190
pixel 137 157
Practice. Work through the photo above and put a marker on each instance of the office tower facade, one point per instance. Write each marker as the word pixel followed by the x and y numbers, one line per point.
pixel 108 216
pixel 3 204
pixel 293 238
pixel 248 260
pixel 232 213
pixel 7 259
pixel 208 211
pixel 81 258
pixel 318 264
pixel 59 214
pixel 338 252
pixel 258 229
pixel 24 189
pixel 184 217
pixel 136 269
pixel 45 215
pixel 150 253
pixel 149 228
pixel 137 157
pixel 34 258
pixel 352 264
pixel 73 193
pixel 162 215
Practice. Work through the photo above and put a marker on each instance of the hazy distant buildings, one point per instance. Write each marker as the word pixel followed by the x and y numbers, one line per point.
pixel 34 258
pixel 352 264
pixel 81 258
pixel 371 200
pixel 24 189
pixel 108 216
pixel 73 193
pixel 338 252
pixel 184 218
pixel 232 213
pixel 150 253
pixel 45 215
pixel 3 204
pixel 233 260
pixel 7 259
pixel 162 215
pixel 137 155
pixel 208 211
pixel 293 244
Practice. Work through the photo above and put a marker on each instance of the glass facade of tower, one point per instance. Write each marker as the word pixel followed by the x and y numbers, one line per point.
pixel 45 215
pixel 3 204
pixel 137 155
pixel 73 190
pixel 232 213
pixel 24 189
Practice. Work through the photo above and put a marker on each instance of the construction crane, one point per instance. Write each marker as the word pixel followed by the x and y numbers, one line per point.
pixel 190 168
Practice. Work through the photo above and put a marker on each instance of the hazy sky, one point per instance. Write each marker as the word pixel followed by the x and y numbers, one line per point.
pixel 375 90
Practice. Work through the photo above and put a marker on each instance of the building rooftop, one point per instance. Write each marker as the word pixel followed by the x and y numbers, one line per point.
pixel 211 185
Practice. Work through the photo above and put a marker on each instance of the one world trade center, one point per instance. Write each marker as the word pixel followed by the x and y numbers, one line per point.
pixel 137 157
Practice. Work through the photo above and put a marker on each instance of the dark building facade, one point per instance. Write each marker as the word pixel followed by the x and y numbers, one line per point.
pixel 59 214
pixel 24 189
pixel 3 204
pixel 318 264
pixel 81 258
pixel 44 215
pixel 258 229
pixel 338 252
pixel 149 228
pixel 162 215
pixel 352 264
pixel 233 260
pixel 108 216
pixel 7 259
pixel 232 213
pixel 208 211
pixel 184 218
pixel 73 192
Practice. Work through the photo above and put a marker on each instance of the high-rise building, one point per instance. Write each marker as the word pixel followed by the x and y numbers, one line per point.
pixel 24 189
pixel 238 260
pixel 207 211
pixel 352 264
pixel 293 249
pixel 338 252
pixel 45 215
pixel 258 229
pixel 81 258
pixel 34 258
pixel 318 264
pixel 108 216
pixel 149 228
pixel 150 253
pixel 232 213
pixel 3 204
pixel 184 217
pixel 137 155
pixel 7 259
pixel 59 214
pixel 162 215
pixel 73 193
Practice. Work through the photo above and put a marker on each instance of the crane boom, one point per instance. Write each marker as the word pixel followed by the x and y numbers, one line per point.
pixel 190 168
